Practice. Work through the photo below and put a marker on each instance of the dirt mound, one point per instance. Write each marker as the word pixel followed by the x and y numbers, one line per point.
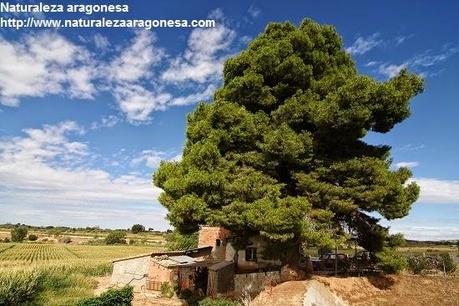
pixel 285 294
pixel 404 290
pixel 395 290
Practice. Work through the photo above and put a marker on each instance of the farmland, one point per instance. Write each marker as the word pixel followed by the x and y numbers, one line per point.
pixel 56 273
pixel 30 255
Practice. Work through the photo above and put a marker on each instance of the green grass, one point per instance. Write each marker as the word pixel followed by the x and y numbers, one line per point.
pixel 65 273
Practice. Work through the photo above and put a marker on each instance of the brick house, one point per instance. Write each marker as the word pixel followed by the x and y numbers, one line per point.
pixel 214 268
pixel 249 259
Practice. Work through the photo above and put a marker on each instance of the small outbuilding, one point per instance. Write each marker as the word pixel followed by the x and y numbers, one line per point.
pixel 148 271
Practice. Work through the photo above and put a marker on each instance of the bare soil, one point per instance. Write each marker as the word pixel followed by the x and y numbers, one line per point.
pixel 396 290
pixel 404 290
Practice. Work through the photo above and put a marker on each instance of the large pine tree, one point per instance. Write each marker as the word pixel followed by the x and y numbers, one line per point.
pixel 280 150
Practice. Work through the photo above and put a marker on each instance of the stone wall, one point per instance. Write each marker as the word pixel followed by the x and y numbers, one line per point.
pixel 254 283
pixel 131 271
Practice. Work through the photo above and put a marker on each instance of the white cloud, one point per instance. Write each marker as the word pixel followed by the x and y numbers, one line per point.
pixel 194 97
pixel 391 70
pixel 371 63
pixel 203 60
pixel 407 164
pixel 140 76
pixel 43 64
pixel 425 232
pixel 46 166
pixel 152 158
pixel 363 45
pixel 136 61
pixel 138 103
pixel 438 191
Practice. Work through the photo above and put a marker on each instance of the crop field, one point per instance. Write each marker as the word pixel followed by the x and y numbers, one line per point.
pixel 66 272
pixel 26 255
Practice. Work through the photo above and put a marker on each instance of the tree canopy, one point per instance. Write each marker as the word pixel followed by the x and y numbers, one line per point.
pixel 280 151
pixel 137 228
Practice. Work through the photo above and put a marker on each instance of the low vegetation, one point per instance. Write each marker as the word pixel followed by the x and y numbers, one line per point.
pixel 118 297
pixel 18 233
pixel 116 237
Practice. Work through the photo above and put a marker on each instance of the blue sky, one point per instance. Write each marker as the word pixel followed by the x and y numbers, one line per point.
pixel 87 114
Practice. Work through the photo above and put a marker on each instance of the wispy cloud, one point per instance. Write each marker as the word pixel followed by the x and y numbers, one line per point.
pixel 105 122
pixel 425 232
pixel 46 165
pixel 411 147
pixel 421 62
pixel 438 191
pixel 152 158
pixel 140 75
pixel 391 70
pixel 254 12
pixel 42 64
pixel 406 164
pixel 363 45
pixel 203 60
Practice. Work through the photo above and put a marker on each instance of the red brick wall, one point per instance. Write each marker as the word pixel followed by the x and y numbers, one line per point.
pixel 208 235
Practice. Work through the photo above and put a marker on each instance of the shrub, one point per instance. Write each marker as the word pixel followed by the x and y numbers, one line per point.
pixel 218 302
pixel 18 233
pixel 396 240
pixel 18 288
pixel 447 263
pixel 137 228
pixel 33 237
pixel 167 290
pixel 112 297
pixel 419 264
pixel 116 237
pixel 391 262
pixel 6 240
pixel 67 239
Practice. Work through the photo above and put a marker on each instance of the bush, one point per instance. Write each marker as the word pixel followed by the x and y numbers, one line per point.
pixel 396 240
pixel 116 237
pixel 218 302
pixel 443 262
pixel 19 288
pixel 18 233
pixel 447 263
pixel 391 262
pixel 137 228
pixel 167 290
pixel 112 297
pixel 419 264
pixel 6 240
pixel 33 237
pixel 67 240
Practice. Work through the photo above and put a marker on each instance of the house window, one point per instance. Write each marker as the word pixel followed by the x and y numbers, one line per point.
pixel 218 242
pixel 251 254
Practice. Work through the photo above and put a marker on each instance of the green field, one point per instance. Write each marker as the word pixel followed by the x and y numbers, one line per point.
pixel 58 274
pixel 34 255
